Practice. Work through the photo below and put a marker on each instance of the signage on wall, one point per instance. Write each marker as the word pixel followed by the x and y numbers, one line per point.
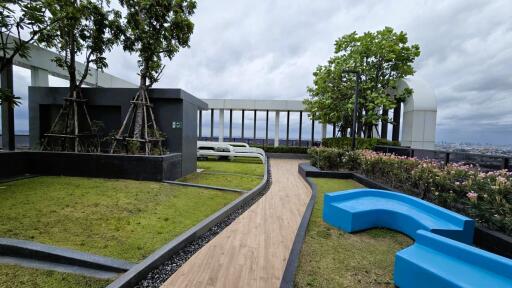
pixel 176 124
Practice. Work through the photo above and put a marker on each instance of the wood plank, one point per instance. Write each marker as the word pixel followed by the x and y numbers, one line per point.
pixel 253 250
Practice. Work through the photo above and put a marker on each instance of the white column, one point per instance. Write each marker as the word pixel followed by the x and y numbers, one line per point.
pixel 420 114
pixel 324 130
pixel 39 77
pixel 276 130
pixel 221 125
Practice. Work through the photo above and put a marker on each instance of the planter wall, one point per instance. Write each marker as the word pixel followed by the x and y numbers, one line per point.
pixel 175 112
pixel 136 167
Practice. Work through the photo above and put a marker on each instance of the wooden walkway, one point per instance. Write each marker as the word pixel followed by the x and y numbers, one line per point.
pixel 253 250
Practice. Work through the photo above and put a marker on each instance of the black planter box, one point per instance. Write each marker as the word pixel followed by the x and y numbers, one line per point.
pixel 136 167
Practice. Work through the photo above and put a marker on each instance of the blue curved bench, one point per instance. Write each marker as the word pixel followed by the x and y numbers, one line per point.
pixel 361 209
pixel 436 261
pixel 439 257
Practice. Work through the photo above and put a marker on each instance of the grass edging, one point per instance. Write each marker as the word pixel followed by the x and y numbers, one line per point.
pixel 293 259
pixel 38 251
pixel 489 240
pixel 205 186
pixel 140 270
pixel 305 171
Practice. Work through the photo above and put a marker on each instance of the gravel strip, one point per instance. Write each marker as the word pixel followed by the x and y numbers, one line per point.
pixel 158 276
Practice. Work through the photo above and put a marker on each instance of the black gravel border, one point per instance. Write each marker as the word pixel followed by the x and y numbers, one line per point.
pixel 170 257
pixel 158 276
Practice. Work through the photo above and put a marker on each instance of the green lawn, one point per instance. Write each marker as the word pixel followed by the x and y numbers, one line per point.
pixel 20 277
pixel 123 219
pixel 243 173
pixel 332 258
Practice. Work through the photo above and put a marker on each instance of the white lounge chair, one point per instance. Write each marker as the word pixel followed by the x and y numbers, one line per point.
pixel 223 149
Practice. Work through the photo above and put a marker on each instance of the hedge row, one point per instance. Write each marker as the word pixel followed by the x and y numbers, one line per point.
pixel 484 196
pixel 361 143
pixel 283 149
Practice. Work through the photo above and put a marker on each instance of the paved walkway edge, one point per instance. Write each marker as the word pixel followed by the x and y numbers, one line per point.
pixel 306 171
pixel 139 271
pixel 293 259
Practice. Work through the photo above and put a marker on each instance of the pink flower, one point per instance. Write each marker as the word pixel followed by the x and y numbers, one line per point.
pixel 472 196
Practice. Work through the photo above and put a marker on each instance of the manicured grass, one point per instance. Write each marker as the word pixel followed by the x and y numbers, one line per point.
pixel 332 258
pixel 20 277
pixel 118 218
pixel 244 174
pixel 247 166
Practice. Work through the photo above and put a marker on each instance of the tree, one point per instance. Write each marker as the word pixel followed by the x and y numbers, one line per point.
pixel 152 29
pixel 90 29
pixel 18 19
pixel 330 98
pixel 383 58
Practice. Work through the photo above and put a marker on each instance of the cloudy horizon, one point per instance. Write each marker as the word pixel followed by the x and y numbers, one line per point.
pixel 269 50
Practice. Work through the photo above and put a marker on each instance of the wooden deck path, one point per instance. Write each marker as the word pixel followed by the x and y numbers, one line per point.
pixel 253 250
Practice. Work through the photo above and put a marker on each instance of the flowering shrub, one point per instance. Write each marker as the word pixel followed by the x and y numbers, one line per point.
pixel 484 196
pixel 361 143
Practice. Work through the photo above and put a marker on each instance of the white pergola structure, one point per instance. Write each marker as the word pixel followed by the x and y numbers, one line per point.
pixel 418 120
pixel 277 106
pixel 41 67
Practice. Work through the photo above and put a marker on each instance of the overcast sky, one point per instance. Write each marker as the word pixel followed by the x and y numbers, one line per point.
pixel 268 49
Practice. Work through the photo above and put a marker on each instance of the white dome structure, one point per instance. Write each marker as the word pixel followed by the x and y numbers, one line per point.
pixel 419 116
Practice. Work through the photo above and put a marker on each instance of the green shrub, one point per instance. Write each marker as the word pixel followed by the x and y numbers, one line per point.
pixel 283 149
pixel 361 143
pixel 484 196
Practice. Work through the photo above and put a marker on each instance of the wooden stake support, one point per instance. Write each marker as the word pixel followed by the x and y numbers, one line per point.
pixel 139 126
pixel 72 129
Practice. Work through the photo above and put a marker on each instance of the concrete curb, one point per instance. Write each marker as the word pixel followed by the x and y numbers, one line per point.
pixel 17 178
pixel 288 156
pixel 139 271
pixel 293 259
pixel 486 239
pixel 38 251
pixel 306 170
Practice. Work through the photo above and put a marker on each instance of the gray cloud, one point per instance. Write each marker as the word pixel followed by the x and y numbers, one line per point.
pixel 269 49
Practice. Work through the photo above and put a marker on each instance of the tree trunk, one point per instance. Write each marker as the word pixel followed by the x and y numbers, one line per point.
pixel 384 124
pixel 137 130
pixel 396 122
pixel 8 141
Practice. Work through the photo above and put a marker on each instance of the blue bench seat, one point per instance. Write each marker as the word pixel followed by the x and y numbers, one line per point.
pixel 436 261
pixel 361 209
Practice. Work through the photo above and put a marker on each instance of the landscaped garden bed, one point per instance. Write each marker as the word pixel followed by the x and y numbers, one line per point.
pixel 14 276
pixel 122 219
pixel 484 196
pixel 333 258
pixel 241 173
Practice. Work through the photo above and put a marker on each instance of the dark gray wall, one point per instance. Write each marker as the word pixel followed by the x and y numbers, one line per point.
pixel 136 167
pixel 110 105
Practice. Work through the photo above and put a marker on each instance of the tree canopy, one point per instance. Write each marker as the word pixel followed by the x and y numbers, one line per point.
pixel 154 29
pixel 86 28
pixel 382 58
pixel 18 17
pixel 82 27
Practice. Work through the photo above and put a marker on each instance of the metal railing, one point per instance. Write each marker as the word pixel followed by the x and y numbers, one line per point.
pixel 483 161
pixel 270 142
